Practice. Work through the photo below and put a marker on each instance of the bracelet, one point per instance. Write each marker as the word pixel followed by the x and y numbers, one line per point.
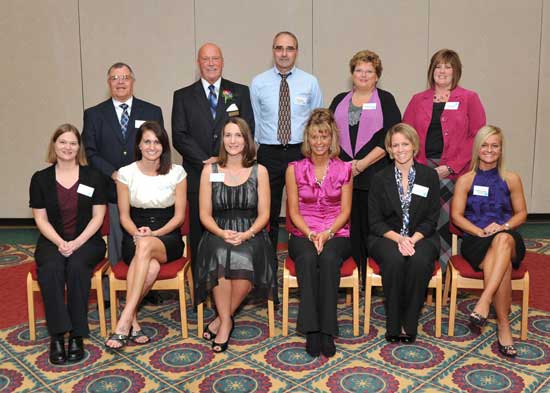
pixel 450 169
pixel 251 233
pixel 330 233
pixel 309 235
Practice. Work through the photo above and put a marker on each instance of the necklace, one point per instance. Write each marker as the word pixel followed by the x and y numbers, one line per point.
pixel 442 97
pixel 318 181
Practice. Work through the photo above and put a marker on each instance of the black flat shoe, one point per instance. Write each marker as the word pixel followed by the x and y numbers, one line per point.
pixel 408 339
pixel 392 339
pixel 507 350
pixel 313 344
pixel 222 347
pixel 327 345
pixel 76 349
pixel 57 351
pixel 477 319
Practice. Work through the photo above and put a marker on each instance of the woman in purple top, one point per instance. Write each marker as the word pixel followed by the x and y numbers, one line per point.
pixel 319 189
pixel 488 205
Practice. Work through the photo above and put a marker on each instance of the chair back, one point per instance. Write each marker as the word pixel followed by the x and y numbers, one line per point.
pixel 105 225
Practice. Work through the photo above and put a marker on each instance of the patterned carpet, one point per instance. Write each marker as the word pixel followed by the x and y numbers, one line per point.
pixel 469 361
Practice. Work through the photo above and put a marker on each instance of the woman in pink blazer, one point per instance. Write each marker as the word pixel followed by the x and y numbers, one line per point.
pixel 447 118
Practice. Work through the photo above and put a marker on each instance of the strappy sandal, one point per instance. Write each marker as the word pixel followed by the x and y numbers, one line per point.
pixel 507 350
pixel 477 319
pixel 122 339
pixel 136 335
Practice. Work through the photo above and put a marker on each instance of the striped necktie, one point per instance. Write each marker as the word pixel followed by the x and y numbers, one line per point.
pixel 213 100
pixel 124 119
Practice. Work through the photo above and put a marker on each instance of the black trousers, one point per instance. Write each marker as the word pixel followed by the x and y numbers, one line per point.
pixel 55 272
pixel 405 280
pixel 319 279
pixel 195 226
pixel 359 230
pixel 276 158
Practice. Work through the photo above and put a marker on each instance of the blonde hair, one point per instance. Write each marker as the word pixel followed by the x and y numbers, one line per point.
pixel 481 136
pixel 322 121
pixel 51 157
pixel 408 132
pixel 366 56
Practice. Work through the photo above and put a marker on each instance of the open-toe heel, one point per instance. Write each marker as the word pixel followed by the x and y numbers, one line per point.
pixel 208 334
pixel 222 347
pixel 477 319
pixel 507 350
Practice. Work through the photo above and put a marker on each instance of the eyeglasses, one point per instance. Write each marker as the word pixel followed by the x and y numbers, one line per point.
pixel 120 77
pixel 213 59
pixel 280 48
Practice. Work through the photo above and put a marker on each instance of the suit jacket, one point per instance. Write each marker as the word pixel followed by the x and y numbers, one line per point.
pixel 385 213
pixel 106 149
pixel 196 135
pixel 459 126
pixel 391 116
pixel 43 195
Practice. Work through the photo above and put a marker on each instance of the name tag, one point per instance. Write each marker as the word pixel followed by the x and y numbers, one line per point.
pixel 232 110
pixel 420 190
pixel 481 191
pixel 217 177
pixel 139 123
pixel 301 100
pixel 85 190
pixel 369 106
pixel 451 106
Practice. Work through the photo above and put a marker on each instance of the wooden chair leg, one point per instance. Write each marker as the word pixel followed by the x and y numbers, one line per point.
pixel 438 306
pixel 113 300
pixel 30 308
pixel 429 298
pixel 368 295
pixel 356 304
pixel 190 283
pixel 200 322
pixel 285 302
pixel 452 304
pixel 525 308
pixel 349 296
pixel 98 276
pixel 183 304
pixel 447 287
pixel 271 317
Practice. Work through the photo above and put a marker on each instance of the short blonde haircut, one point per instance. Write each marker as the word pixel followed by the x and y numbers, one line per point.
pixel 444 56
pixel 366 56
pixel 321 120
pixel 481 136
pixel 63 128
pixel 408 132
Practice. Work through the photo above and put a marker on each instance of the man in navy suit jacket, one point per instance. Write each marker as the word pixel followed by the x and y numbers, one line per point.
pixel 199 112
pixel 107 147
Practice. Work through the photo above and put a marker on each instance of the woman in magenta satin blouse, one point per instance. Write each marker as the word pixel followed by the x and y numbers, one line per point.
pixel 319 189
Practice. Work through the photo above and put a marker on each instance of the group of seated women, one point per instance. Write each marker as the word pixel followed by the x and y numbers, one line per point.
pixel 345 199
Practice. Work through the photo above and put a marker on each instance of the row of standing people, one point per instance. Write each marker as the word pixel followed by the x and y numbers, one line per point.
pixel 281 107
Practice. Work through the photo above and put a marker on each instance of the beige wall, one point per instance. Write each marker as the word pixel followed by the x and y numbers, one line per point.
pixel 55 56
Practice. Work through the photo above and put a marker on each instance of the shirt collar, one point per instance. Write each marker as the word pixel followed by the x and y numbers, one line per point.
pixel 276 70
pixel 128 102
pixel 206 84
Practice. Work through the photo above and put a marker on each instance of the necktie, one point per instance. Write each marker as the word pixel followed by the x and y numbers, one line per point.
pixel 283 130
pixel 213 100
pixel 124 119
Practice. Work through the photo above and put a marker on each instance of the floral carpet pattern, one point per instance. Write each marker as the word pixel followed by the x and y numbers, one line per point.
pixel 467 362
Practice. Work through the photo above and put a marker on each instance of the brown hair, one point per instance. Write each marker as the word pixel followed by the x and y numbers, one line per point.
pixel 408 132
pixel 444 56
pixel 321 120
pixel 286 33
pixel 162 136
pixel 249 151
pixel 51 157
pixel 366 56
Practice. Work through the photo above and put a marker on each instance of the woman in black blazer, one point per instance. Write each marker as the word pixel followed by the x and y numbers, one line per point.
pixel 403 212
pixel 68 203
pixel 363 116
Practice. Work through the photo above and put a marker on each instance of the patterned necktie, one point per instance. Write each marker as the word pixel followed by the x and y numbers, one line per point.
pixel 213 100
pixel 124 119
pixel 283 130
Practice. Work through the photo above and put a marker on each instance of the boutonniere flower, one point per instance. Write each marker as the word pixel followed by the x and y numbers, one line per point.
pixel 227 96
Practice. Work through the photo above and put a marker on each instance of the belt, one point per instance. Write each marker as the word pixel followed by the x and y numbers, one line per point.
pixel 283 147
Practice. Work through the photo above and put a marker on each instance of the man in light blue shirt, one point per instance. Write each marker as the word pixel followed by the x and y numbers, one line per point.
pixel 282 99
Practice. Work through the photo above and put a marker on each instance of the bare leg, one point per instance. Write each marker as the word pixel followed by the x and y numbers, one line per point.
pixel 152 274
pixel 228 295
pixel 502 302
pixel 494 266
pixel 147 250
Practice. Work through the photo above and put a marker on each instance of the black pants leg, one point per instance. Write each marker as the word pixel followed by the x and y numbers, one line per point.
pixel 359 231
pixel 319 280
pixel 195 226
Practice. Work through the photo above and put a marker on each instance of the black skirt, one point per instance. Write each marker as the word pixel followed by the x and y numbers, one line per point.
pixel 475 248
pixel 154 219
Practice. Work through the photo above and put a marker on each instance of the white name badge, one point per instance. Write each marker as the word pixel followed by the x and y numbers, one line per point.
pixel 451 106
pixel 481 191
pixel 369 106
pixel 420 190
pixel 217 177
pixel 232 108
pixel 85 190
pixel 300 100
pixel 139 123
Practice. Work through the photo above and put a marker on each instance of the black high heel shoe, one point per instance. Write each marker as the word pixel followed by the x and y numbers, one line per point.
pixel 509 351
pixel 222 347
pixel 208 334
pixel 478 319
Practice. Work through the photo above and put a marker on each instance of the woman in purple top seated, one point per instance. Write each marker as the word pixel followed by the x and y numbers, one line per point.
pixel 488 205
pixel 319 189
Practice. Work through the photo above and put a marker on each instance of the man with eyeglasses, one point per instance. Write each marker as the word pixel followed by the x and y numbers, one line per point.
pixel 199 112
pixel 282 98
pixel 109 135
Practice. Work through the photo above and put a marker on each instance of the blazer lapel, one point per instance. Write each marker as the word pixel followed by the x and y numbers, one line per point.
pixel 82 179
pixel 427 104
pixel 201 99
pixel 391 191
pixel 56 216
pixel 109 112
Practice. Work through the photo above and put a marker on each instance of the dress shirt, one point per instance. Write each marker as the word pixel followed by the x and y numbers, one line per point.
pixel 119 110
pixel 206 85
pixel 305 95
